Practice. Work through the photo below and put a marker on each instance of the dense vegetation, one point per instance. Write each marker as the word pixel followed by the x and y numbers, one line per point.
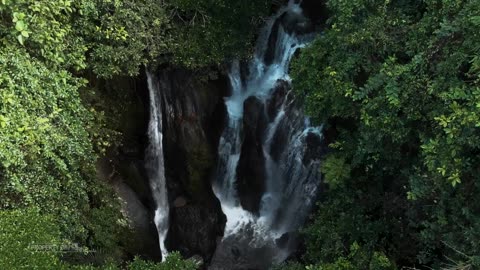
pixel 51 133
pixel 398 84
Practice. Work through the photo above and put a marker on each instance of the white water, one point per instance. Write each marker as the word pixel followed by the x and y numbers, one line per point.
pixel 155 165
pixel 290 184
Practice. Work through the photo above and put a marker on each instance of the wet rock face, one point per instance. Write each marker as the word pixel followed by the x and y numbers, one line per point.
pixel 194 230
pixel 314 147
pixel 296 23
pixel 145 240
pixel 293 120
pixel 272 42
pixel 279 94
pixel 123 166
pixel 251 166
pixel 244 71
pixel 315 10
pixel 142 237
pixel 237 253
pixel 193 117
pixel 254 119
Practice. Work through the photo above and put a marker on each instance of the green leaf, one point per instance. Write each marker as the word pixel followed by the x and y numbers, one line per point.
pixel 475 20
pixel 20 39
pixel 3 121
pixel 20 26
pixel 25 34
pixel 42 120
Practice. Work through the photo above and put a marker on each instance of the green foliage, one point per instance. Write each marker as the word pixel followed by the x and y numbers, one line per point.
pixel 122 35
pixel 49 137
pixel 45 153
pixel 31 240
pixel 336 170
pixel 199 162
pixel 26 240
pixel 210 31
pixel 43 28
pixel 116 37
pixel 398 82
pixel 70 34
pixel 173 261
pixel 53 127
pixel 357 259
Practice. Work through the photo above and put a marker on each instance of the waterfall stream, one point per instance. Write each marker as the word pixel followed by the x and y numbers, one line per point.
pixel 291 179
pixel 268 143
pixel 155 164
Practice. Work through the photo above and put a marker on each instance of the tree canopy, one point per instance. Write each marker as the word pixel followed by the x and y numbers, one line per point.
pixel 398 84
pixel 51 134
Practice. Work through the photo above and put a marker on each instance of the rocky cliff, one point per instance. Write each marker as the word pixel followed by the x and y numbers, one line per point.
pixel 194 116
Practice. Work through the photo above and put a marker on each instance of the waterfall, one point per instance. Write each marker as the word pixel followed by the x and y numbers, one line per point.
pixel 291 177
pixel 155 164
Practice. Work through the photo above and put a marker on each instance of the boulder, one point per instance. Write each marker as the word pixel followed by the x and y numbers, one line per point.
pixel 194 115
pixel 194 229
pixel 198 260
pixel 144 238
pixel 250 182
pixel 243 252
pixel 314 147
pixel 180 202
pixel 279 94
pixel 272 42
pixel 316 11
pixel 296 23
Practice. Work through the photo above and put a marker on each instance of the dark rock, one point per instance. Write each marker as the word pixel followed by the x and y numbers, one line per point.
pixel 283 240
pixel 144 238
pixel 194 229
pixel 194 115
pixel 244 71
pixel 294 242
pixel 288 241
pixel 216 121
pixel 291 22
pixel 198 260
pixel 314 146
pixel 294 22
pixel 122 167
pixel 251 166
pixel 133 174
pixel 272 42
pixel 242 252
pixel 291 123
pixel 316 11
pixel 180 202
pixel 279 141
pixel 222 85
pixel 279 93
pixel 254 119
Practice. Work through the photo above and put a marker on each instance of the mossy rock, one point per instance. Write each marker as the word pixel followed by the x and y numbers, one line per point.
pixel 200 162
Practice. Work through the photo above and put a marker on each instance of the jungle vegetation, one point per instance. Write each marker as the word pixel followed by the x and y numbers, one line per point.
pixel 52 129
pixel 397 84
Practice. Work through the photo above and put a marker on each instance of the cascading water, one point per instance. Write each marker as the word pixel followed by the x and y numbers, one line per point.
pixel 291 177
pixel 155 165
